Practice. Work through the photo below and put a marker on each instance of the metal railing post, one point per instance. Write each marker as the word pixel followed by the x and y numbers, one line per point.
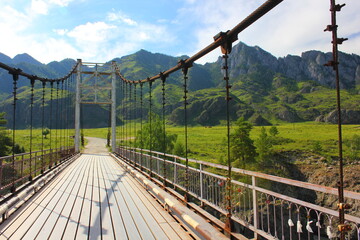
pixel 201 183
pixel 175 175
pixel 255 206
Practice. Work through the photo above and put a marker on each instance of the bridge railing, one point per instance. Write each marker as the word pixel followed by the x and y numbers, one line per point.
pixel 28 165
pixel 267 205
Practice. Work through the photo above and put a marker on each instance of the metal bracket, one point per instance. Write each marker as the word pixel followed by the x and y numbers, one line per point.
pixel 226 45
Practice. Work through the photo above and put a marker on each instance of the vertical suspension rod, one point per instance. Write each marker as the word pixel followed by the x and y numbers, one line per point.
pixel 15 79
pixel 42 127
pixel 228 180
pixel 163 79
pixel 342 227
pixel 32 83
pixel 150 125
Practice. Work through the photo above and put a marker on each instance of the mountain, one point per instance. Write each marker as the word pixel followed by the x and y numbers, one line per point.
pixel 5 59
pixel 25 58
pixel 265 89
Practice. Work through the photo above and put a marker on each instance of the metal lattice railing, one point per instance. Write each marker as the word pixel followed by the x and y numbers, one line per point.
pixel 260 202
pixel 28 165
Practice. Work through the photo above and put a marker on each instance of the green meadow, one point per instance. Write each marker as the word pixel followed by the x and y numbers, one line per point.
pixel 209 143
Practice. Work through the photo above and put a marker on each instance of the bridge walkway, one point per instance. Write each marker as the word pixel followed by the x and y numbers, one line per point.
pixel 93 198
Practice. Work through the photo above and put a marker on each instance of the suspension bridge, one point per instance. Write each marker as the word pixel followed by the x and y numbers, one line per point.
pixel 62 192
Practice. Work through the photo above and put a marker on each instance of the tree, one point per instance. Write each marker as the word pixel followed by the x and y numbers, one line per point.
pixel 273 131
pixel 6 143
pixel 264 146
pixel 46 132
pixel 5 140
pixel 2 119
pixel 179 149
pixel 156 142
pixel 242 146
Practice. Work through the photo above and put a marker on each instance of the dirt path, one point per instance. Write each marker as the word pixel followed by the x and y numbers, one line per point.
pixel 96 146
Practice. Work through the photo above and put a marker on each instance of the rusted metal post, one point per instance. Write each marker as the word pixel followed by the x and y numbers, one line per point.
pixel 201 185
pixel 334 63
pixel 226 48
pixel 255 206
pixel 113 107
pixel 77 107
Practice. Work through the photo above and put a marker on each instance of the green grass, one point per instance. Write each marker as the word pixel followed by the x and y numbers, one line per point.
pixel 22 137
pixel 209 144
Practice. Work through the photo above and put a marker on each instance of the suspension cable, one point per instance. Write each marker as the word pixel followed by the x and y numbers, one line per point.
pixel 163 79
pixel 141 126
pixel 134 117
pixel 123 117
pixel 50 122
pixel 57 121
pixel 150 126
pixel 32 83
pixel 126 114
pixel 334 63
pixel 228 179
pixel 68 113
pixel 62 131
pixel 42 128
pixel 185 69
pixel 130 114
pixel 15 79
pixel 109 125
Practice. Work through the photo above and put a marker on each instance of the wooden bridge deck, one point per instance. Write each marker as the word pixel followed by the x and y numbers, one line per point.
pixel 93 198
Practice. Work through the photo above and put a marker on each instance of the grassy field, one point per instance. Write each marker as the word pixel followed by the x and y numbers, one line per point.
pixel 56 138
pixel 209 143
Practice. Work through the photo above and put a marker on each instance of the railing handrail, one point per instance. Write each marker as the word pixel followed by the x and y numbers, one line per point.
pixel 28 153
pixel 292 182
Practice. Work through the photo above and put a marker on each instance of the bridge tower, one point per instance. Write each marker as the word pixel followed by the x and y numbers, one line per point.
pixel 95 84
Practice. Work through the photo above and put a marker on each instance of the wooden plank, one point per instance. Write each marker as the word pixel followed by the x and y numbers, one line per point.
pixel 20 223
pixel 85 210
pixel 143 210
pixel 41 219
pixel 28 207
pixel 72 223
pixel 95 229
pixel 53 224
pixel 60 225
pixel 139 220
pixel 165 216
pixel 132 229
pixel 111 215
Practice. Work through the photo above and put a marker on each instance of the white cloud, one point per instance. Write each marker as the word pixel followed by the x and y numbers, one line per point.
pixel 290 28
pixel 60 32
pixel 39 7
pixel 91 32
pixel 112 16
pixel 43 6
pixel 62 3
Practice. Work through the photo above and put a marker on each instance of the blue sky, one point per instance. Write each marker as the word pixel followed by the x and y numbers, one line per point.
pixel 98 31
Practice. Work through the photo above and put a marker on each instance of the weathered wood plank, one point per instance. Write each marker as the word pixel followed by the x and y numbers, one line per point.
pixel 95 228
pixel 85 211
pixel 25 220
pixel 61 223
pixel 144 213
pixel 58 217
pixel 171 228
pixel 94 198
pixel 111 215
pixel 132 230
pixel 75 212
